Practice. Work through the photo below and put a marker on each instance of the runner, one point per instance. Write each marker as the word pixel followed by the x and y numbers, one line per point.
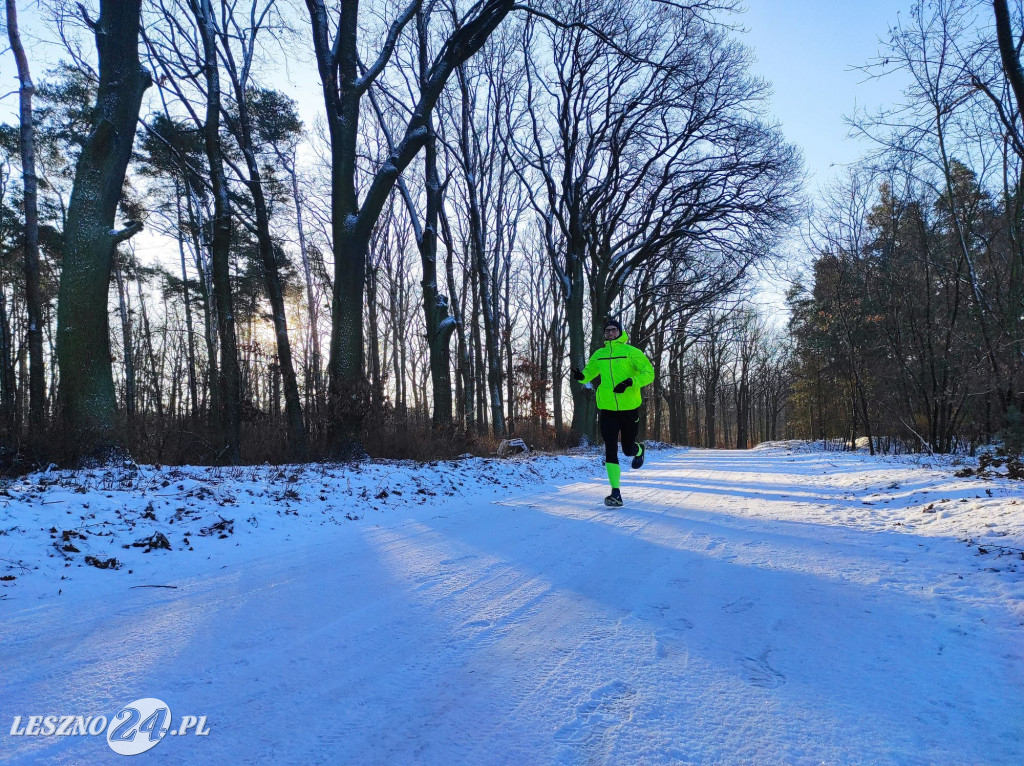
pixel 623 370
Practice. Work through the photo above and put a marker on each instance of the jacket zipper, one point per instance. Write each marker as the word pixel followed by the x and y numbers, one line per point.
pixel 608 345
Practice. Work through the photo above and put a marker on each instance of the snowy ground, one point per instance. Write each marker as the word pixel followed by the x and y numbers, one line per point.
pixel 763 607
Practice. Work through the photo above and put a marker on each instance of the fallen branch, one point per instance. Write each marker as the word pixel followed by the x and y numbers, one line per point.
pixel 62 552
pixel 156 586
pixel 985 548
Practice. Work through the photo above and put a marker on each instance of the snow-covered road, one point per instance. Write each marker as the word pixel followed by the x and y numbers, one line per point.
pixel 760 607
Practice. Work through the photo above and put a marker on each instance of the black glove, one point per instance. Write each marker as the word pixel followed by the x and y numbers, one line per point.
pixel 577 374
pixel 621 388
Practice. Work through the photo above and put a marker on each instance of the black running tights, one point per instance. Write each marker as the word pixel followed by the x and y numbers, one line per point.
pixel 613 423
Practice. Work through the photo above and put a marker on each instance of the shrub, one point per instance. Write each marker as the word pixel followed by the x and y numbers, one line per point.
pixel 1012 432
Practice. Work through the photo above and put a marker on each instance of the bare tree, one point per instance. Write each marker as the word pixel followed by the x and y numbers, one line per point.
pixel 33 297
pixel 238 68
pixel 713 351
pixel 220 243
pixel 440 325
pixel 653 153
pixel 337 54
pixel 83 338
pixel 488 101
pixel 749 336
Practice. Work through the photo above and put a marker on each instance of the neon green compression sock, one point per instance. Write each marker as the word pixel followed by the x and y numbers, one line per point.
pixel 614 472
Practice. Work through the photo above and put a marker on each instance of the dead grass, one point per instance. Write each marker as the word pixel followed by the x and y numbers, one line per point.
pixel 184 441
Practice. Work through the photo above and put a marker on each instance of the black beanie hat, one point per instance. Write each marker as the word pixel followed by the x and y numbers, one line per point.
pixel 609 322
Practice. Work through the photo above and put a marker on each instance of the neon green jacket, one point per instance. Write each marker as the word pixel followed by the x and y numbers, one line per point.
pixel 615 361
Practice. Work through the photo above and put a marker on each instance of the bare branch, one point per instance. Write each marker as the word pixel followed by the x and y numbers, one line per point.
pixel 87 18
pixel 388 48
pixel 129 231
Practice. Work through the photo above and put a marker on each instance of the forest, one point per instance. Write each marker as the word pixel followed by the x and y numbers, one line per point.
pixel 907 328
pixel 190 272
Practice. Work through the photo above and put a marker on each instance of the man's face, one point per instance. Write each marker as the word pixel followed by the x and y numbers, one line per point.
pixel 611 332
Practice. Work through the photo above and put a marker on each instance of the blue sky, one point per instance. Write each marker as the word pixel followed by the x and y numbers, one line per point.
pixel 806 49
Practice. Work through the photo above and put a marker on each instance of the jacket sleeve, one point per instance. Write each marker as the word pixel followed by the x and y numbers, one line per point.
pixel 644 375
pixel 591 371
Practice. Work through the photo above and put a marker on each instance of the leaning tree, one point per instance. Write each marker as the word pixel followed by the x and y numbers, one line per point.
pixel 87 395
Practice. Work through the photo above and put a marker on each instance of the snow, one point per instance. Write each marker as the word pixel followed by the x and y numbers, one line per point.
pixel 781 605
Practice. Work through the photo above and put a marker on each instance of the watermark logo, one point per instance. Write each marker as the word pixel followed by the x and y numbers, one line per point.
pixel 138 726
pixel 135 728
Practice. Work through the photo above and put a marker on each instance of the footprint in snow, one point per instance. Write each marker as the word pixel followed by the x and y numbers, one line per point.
pixel 757 672
pixel 427 580
pixel 607 708
pixel 668 642
pixel 459 560
pixel 663 613
pixel 739 605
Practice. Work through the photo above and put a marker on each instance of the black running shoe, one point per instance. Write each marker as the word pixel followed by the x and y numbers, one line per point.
pixel 639 459
pixel 614 500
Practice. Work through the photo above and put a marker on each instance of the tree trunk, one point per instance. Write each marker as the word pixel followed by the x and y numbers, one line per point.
pixel 710 395
pixel 684 425
pixel 697 425
pixel 397 366
pixel 213 386
pixel 439 324
pixel 656 399
pixel 482 269
pixel 126 339
pixel 230 375
pixel 189 328
pixel 491 343
pixel 673 396
pixel 21 395
pixel 557 355
pixel 503 326
pixel 87 396
pixel 33 295
pixel 312 308
pixel 479 359
pixel 584 405
pixel 8 392
pixel 376 380
pixel 271 278
pixel 465 357
pixel 154 373
pixel 1008 52
pixel 506 336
